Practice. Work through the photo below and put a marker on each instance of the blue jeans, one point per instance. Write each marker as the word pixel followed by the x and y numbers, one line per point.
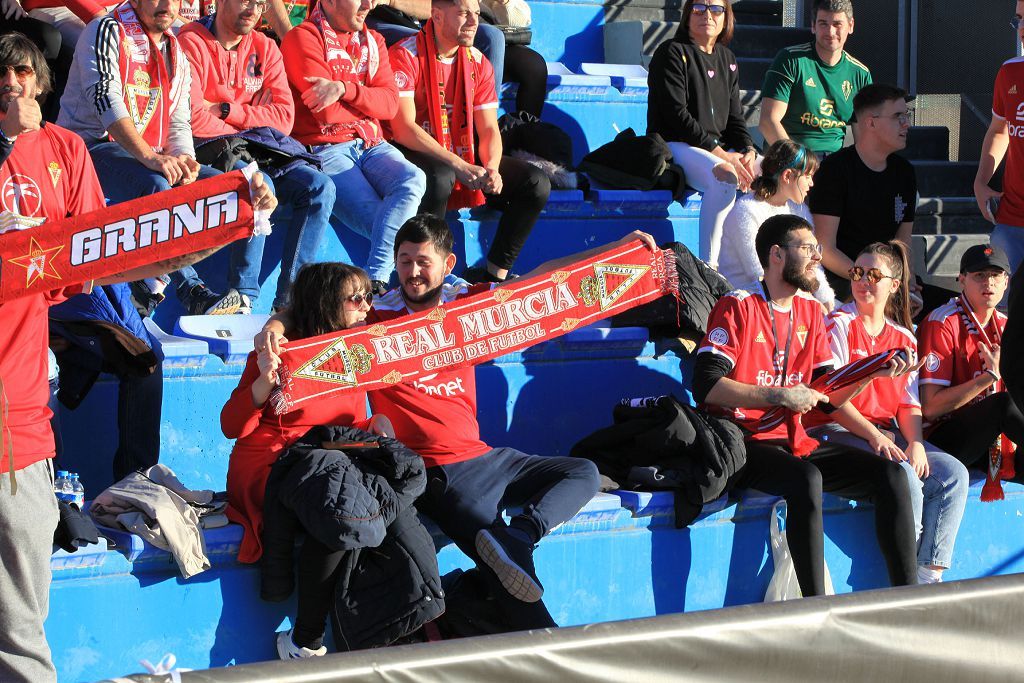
pixel 489 40
pixel 1010 239
pixel 938 500
pixel 380 191
pixel 123 178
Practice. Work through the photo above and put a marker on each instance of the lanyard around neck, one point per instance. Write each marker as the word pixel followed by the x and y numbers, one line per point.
pixel 780 372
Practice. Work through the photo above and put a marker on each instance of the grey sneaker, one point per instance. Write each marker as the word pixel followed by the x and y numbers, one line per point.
pixel 246 306
pixel 512 561
pixel 202 301
pixel 287 649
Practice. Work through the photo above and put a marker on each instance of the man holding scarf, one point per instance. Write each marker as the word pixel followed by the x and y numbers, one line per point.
pixel 963 399
pixel 128 97
pixel 48 176
pixel 448 104
pixel 343 87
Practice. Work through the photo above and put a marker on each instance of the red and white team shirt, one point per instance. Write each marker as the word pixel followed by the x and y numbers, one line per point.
pixel 406 66
pixel 950 351
pixel 48 175
pixel 434 415
pixel 882 398
pixel 1008 105
pixel 740 330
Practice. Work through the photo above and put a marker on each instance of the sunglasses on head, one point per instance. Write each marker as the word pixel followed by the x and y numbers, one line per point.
pixel 358 299
pixel 874 275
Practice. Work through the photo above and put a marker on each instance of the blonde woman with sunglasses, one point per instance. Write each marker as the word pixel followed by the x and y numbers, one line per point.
pixel 886 416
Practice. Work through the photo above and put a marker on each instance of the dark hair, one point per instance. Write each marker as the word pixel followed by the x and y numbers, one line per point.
pixel 875 95
pixel 896 255
pixel 774 231
pixel 425 227
pixel 783 155
pixel 318 296
pixel 15 49
pixel 683 32
pixel 831 6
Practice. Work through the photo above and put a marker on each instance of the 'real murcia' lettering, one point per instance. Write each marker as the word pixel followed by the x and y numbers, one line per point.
pixel 155 227
pixel 516 312
pixel 411 343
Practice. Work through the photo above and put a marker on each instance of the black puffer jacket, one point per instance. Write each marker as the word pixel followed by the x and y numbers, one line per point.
pixel 662 443
pixel 359 500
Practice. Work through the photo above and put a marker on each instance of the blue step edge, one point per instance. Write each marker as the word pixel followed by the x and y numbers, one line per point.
pixel 228 336
pixel 178 351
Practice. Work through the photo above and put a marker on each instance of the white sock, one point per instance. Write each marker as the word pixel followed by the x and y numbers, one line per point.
pixel 929 575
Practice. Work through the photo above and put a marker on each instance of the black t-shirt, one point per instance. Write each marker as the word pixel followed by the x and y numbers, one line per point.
pixel 870 204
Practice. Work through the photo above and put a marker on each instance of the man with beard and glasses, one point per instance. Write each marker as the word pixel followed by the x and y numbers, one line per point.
pixel 49 176
pixel 469 483
pixel 762 350
pixel 239 84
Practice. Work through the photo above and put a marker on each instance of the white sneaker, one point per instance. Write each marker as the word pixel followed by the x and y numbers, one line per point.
pixel 287 649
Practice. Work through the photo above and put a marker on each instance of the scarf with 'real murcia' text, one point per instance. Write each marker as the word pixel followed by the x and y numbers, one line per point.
pixel 473 329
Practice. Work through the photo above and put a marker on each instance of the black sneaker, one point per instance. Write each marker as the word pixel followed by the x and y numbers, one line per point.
pixel 512 561
pixel 378 288
pixel 475 275
pixel 201 301
pixel 144 300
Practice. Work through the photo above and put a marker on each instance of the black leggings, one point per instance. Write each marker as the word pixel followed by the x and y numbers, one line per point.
pixel 527 68
pixel 317 575
pixel 971 430
pixel 846 472
pixel 525 191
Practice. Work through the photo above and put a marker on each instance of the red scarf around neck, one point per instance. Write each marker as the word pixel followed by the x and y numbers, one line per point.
pixel 354 63
pixel 462 142
pixel 1002 453
pixel 147 86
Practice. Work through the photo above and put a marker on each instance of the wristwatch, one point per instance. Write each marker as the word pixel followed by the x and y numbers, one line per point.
pixel 225 110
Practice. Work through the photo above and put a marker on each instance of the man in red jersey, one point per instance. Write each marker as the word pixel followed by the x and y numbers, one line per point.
pixel 762 349
pixel 48 175
pixel 964 402
pixel 1005 138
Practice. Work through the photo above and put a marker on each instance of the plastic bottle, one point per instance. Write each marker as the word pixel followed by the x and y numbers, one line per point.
pixel 62 487
pixel 78 491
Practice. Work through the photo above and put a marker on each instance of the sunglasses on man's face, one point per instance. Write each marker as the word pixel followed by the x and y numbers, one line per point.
pixel 21 71
pixel 873 275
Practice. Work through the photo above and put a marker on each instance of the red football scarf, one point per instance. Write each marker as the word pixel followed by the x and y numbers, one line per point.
pixel 1001 454
pixel 464 87
pixel 118 238
pixel 356 63
pixel 147 87
pixel 799 442
pixel 474 329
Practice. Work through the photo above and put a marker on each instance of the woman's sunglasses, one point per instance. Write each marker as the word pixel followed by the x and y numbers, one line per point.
pixel 358 299
pixel 874 275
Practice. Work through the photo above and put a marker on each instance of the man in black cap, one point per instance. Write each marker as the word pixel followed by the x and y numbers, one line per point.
pixel 963 398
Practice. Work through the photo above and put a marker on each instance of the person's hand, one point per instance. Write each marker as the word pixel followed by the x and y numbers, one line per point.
pixel 23 113
pixel 269 339
pixel 734 165
pixel 189 169
pixel 801 398
pixel 12 9
pixel 268 362
pixel 882 444
pixel 381 425
pixel 470 175
pixel 169 167
pixel 989 359
pixel 983 194
pixel 262 198
pixel 749 161
pixel 900 365
pixel 322 94
pixel 492 182
pixel 638 235
pixel 918 459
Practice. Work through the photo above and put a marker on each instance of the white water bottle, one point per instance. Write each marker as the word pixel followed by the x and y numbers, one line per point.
pixel 78 491
pixel 62 487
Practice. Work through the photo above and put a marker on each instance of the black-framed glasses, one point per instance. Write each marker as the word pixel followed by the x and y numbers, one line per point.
pixel 258 5
pixel 808 250
pixel 21 71
pixel 701 8
pixel 1015 22
pixel 900 117
pixel 358 299
pixel 874 275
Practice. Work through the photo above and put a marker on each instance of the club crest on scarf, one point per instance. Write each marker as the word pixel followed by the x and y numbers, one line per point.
pixel 38 262
pixel 142 99
pixel 596 289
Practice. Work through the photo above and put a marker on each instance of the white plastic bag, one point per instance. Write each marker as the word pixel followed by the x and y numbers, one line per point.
pixel 784 584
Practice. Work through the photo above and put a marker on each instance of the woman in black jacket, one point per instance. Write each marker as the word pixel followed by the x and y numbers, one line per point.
pixel 694 104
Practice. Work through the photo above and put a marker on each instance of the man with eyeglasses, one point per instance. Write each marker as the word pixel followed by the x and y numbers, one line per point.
pixel 808 91
pixel 238 85
pixel 1005 139
pixel 963 399
pixel 867 192
pixel 763 348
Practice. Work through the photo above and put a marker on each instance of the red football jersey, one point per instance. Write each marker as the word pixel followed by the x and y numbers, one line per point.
pixel 1008 105
pixel 882 398
pixel 433 415
pixel 740 330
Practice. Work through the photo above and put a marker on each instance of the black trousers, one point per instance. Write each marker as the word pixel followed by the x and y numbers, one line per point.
pixel 527 67
pixel 847 472
pixel 525 191
pixel 971 430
